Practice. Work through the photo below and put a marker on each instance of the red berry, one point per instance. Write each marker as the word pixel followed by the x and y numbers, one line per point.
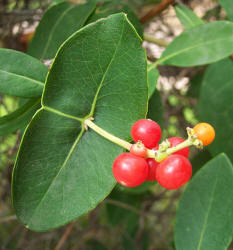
pixel 174 172
pixel 130 170
pixel 152 164
pixel 146 131
pixel 175 141
pixel 138 149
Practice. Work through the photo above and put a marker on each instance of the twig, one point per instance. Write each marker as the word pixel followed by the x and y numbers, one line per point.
pixel 8 218
pixel 65 235
pixel 156 10
pixel 151 39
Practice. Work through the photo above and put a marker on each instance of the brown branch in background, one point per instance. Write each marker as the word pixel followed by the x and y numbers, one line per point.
pixel 65 235
pixel 156 10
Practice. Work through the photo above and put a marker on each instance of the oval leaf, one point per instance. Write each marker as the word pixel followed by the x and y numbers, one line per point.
pixel 61 168
pixel 19 118
pixel 58 23
pixel 187 17
pixel 21 75
pixel 204 217
pixel 200 45
pixel 228 7
pixel 215 104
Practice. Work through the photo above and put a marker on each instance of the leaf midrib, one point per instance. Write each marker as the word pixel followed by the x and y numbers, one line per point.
pixel 22 76
pixel 189 48
pixel 79 119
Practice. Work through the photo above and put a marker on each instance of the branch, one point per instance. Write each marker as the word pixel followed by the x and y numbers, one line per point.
pixel 151 39
pixel 157 9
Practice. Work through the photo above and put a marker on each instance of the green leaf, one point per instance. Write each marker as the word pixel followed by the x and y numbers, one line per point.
pixel 204 217
pixel 187 17
pixel 155 108
pixel 19 118
pixel 215 105
pixel 143 188
pixel 200 159
pixel 58 23
pixel 200 45
pixel 63 171
pixel 110 8
pixel 20 74
pixel 152 76
pixel 228 7
pixel 195 86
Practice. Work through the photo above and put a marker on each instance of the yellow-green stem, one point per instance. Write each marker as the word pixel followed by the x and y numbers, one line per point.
pixel 105 134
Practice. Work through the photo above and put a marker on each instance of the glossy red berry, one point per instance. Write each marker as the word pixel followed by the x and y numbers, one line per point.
pixel 138 149
pixel 174 172
pixel 152 164
pixel 175 141
pixel 130 170
pixel 146 131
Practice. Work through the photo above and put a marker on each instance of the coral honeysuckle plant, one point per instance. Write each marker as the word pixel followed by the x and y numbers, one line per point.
pixel 93 118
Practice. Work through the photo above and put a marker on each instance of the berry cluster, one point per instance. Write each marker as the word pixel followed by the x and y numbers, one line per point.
pixel 174 170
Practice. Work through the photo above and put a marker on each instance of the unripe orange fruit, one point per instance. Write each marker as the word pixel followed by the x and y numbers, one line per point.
pixel 205 133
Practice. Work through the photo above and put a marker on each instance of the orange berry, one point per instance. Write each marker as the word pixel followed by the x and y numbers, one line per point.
pixel 205 133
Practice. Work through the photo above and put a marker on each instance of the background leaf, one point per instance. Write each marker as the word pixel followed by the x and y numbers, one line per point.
pixel 187 17
pixel 155 107
pixel 19 118
pixel 112 7
pixel 215 104
pixel 204 217
pixel 72 172
pixel 228 7
pixel 200 45
pixel 58 23
pixel 20 74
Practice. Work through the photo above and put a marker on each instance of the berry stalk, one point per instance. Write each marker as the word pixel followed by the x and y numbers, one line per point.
pixel 105 134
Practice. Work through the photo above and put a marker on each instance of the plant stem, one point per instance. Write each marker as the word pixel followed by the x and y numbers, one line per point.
pixel 105 134
pixel 152 39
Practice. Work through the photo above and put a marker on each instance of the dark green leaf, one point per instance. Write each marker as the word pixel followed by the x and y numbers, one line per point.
pixel 195 86
pixel 62 171
pixel 152 77
pixel 19 118
pixel 200 159
pixel 187 17
pixel 228 7
pixel 204 217
pixel 143 188
pixel 58 23
pixel 155 108
pixel 200 45
pixel 110 8
pixel 215 104
pixel 20 74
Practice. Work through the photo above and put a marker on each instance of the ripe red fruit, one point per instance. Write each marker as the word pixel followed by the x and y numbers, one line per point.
pixel 138 149
pixel 152 164
pixel 175 141
pixel 146 131
pixel 130 170
pixel 174 172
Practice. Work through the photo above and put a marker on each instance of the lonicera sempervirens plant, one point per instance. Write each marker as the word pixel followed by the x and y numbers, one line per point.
pixel 147 160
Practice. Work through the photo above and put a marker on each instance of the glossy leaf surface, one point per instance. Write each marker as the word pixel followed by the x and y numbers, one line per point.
pixel 215 105
pixel 204 217
pixel 58 23
pixel 63 171
pixel 21 75
pixel 187 17
pixel 200 45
